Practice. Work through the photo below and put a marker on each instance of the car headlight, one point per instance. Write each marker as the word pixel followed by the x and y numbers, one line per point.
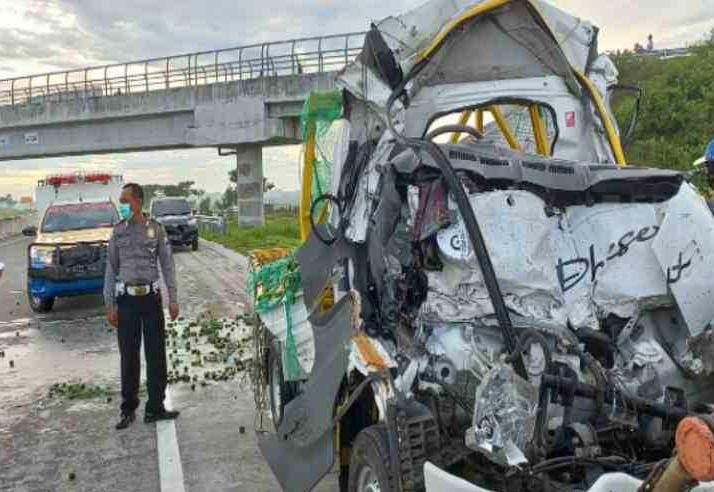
pixel 41 256
pixel 192 222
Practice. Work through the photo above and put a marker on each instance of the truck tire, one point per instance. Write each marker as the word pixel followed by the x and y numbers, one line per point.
pixel 370 468
pixel 39 305
pixel 281 392
pixel 194 245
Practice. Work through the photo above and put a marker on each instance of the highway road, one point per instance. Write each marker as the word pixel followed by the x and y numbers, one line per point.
pixel 55 443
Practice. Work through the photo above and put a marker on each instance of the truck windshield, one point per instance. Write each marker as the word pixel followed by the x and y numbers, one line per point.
pixel 170 207
pixel 79 216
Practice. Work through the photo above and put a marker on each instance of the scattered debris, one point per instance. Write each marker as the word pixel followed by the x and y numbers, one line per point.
pixel 79 391
pixel 218 347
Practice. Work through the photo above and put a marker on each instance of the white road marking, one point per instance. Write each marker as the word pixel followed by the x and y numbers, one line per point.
pixel 170 470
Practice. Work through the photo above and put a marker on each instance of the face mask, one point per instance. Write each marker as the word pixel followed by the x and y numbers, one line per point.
pixel 124 210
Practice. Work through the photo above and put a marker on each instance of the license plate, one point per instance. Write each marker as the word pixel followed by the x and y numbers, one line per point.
pixel 96 268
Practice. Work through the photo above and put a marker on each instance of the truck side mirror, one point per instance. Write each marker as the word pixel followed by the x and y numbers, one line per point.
pixel 29 231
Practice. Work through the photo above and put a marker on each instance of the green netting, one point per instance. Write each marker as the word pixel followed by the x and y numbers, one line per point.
pixel 277 284
pixel 321 109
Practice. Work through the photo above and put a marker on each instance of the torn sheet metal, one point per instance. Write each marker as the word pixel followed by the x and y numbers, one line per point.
pixel 504 416
pixel 340 153
pixel 368 190
pixel 409 33
pixel 276 322
pixel 317 263
pixel 523 243
pixel 302 450
pixel 465 348
pixel 574 267
pixel 685 252
pixel 609 265
pixel 369 355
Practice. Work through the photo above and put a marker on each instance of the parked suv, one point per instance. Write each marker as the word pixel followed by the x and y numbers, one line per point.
pixel 176 216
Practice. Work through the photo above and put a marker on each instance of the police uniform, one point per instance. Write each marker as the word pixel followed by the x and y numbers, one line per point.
pixel 131 285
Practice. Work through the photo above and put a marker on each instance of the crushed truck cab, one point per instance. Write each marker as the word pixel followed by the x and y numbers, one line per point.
pixel 488 298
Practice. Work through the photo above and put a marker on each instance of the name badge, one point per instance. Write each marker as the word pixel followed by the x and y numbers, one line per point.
pixel 150 233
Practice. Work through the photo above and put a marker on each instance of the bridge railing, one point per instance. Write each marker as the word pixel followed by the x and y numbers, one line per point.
pixel 267 60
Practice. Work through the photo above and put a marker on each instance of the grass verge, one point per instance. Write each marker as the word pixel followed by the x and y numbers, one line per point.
pixel 280 230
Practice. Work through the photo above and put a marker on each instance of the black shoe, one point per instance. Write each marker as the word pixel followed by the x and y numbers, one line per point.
pixel 150 417
pixel 125 421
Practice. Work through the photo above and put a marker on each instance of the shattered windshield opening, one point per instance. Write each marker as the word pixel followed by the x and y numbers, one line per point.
pixel 178 206
pixel 79 216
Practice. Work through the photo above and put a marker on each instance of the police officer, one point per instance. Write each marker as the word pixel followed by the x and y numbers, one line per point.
pixel 137 248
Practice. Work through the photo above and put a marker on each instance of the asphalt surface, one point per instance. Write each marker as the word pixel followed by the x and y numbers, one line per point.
pixel 56 444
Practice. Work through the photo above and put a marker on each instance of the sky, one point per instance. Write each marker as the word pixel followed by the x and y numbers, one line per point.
pixel 38 36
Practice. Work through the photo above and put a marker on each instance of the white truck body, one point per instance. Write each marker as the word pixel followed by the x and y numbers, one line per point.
pixel 76 187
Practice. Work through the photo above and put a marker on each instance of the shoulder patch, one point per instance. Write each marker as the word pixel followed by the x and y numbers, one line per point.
pixel 158 229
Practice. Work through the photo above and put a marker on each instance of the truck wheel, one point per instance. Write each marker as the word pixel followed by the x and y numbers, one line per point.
pixel 281 392
pixel 370 469
pixel 194 245
pixel 40 305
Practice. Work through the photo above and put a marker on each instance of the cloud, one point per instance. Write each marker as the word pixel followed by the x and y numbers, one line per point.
pixel 671 23
pixel 47 35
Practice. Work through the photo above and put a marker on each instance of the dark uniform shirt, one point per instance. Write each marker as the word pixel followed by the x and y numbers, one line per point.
pixel 134 255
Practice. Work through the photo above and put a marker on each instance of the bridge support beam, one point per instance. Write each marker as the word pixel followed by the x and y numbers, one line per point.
pixel 250 185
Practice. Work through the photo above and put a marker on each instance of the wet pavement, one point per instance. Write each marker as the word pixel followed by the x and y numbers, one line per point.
pixel 52 443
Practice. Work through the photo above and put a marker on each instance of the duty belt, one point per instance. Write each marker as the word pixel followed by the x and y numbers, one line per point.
pixel 133 290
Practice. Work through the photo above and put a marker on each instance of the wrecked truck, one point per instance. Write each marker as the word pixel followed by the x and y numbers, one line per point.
pixel 488 297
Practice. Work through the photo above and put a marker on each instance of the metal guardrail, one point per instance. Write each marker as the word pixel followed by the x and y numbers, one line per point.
pixel 211 223
pixel 294 57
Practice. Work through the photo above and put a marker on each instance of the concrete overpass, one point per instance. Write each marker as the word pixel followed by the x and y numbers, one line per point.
pixel 240 99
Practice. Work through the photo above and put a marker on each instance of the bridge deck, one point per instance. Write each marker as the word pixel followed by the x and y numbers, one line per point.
pixel 293 57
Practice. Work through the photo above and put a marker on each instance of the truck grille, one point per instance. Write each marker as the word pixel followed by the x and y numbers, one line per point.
pixel 82 260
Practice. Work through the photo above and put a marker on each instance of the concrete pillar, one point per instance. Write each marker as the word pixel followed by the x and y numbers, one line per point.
pixel 250 185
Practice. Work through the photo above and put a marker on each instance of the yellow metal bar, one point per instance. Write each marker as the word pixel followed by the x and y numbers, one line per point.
pixel 488 6
pixel 474 11
pixel 307 176
pixel 504 127
pixel 478 117
pixel 539 131
pixel 612 136
pixel 463 119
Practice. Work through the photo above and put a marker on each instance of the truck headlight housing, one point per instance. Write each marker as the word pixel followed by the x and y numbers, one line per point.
pixel 41 257
pixel 192 222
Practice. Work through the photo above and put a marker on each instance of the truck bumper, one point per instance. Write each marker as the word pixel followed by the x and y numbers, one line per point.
pixel 181 236
pixel 438 480
pixel 44 288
